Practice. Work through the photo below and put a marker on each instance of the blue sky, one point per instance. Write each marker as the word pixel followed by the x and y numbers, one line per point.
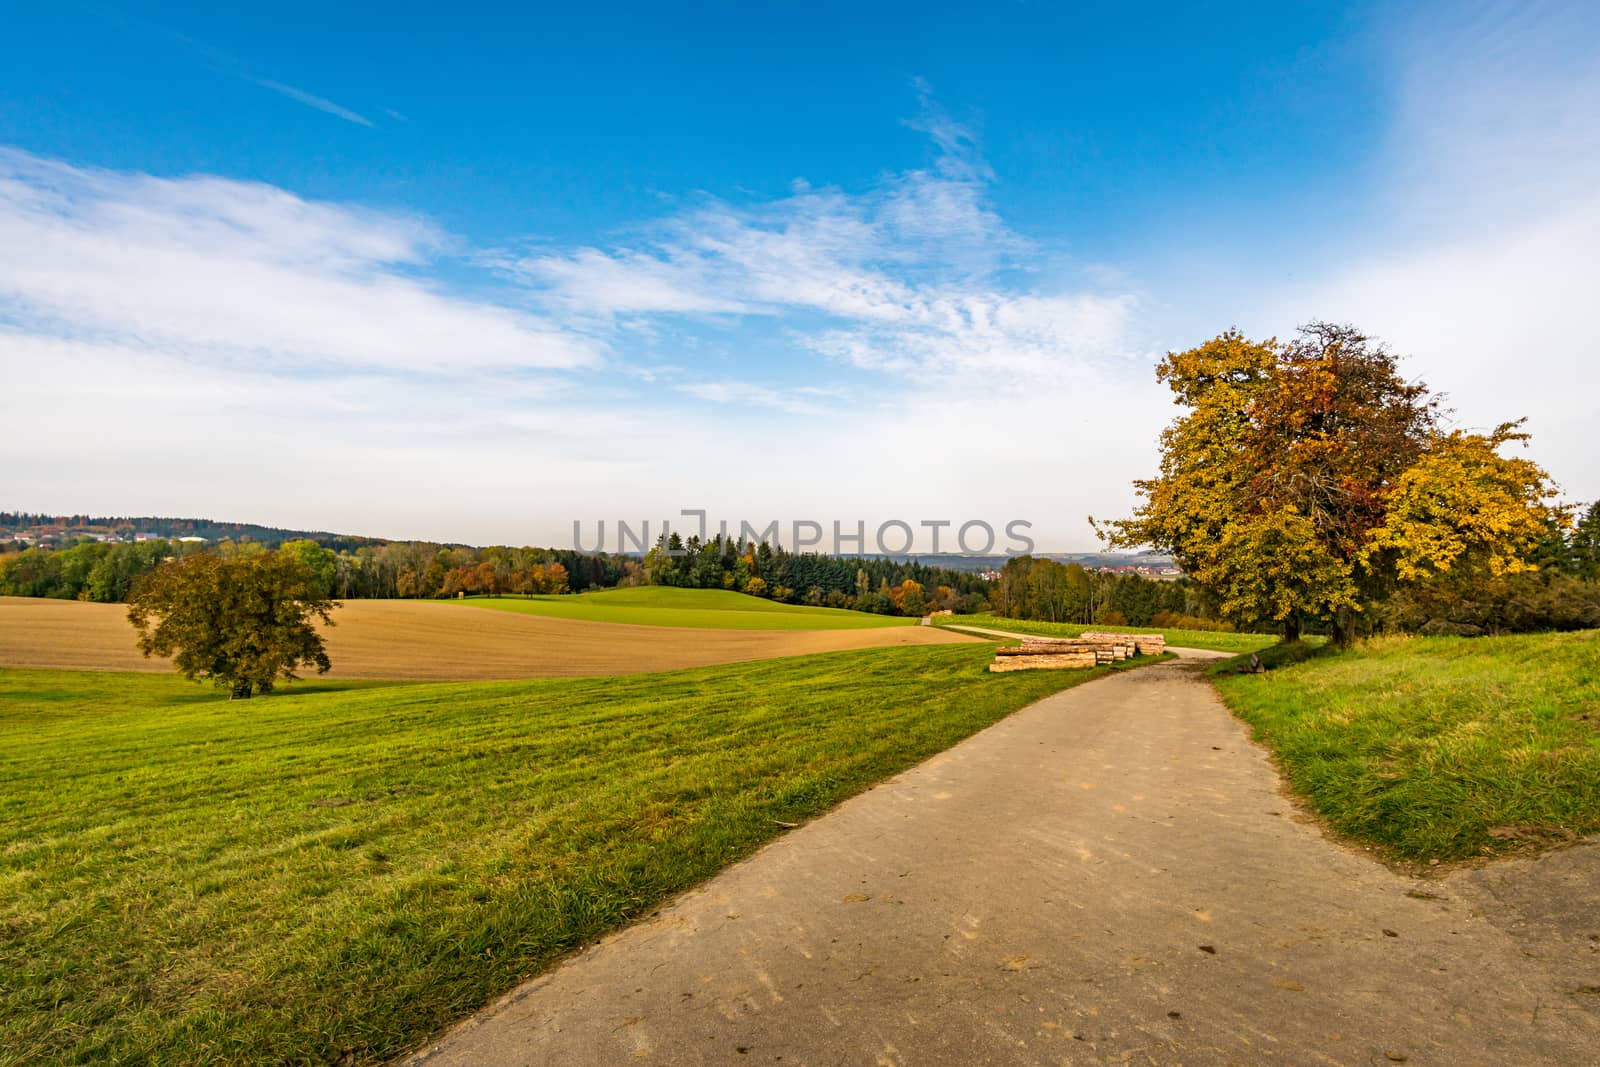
pixel 472 273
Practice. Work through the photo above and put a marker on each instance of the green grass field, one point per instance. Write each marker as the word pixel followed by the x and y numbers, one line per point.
pixel 1219 642
pixel 715 609
pixel 341 869
pixel 1437 748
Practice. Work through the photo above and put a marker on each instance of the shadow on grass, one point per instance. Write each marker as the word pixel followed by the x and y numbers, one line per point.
pixel 189 693
pixel 1275 657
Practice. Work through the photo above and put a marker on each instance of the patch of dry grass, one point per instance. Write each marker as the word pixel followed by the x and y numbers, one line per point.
pixel 426 641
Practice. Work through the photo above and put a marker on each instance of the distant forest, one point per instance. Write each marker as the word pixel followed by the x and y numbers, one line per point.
pixel 105 571
pixel 1047 590
pixel 877 585
pixel 89 569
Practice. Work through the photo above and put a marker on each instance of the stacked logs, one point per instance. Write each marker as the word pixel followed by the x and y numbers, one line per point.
pixel 1144 644
pixel 1089 650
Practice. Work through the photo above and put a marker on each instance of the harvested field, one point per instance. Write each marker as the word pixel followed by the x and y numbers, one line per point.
pixel 426 641
pixel 710 609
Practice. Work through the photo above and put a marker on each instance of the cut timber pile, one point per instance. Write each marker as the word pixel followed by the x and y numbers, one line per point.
pixel 1088 650
pixel 1145 644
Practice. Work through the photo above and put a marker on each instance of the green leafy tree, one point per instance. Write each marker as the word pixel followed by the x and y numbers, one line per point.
pixel 242 623
pixel 322 563
pixel 1583 550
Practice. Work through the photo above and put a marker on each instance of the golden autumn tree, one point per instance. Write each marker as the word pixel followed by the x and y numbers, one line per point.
pixel 1308 479
pixel 1463 507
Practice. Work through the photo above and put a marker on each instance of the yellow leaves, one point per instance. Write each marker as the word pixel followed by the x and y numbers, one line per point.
pixel 1274 564
pixel 1225 372
pixel 1464 503
pixel 1308 477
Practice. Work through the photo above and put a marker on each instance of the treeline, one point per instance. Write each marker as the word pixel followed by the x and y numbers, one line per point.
pixel 102 571
pixel 1563 594
pixel 418 569
pixel 106 571
pixel 1046 590
pixel 89 570
pixel 877 585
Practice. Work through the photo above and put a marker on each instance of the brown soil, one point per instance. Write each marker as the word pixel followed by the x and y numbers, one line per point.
pixel 409 639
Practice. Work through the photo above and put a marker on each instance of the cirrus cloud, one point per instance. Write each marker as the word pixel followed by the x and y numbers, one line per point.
pixel 901 279
pixel 230 271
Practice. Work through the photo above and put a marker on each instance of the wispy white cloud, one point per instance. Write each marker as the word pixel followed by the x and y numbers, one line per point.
pixel 226 63
pixel 1008 342
pixel 311 100
pixel 810 401
pixel 960 153
pixel 1494 113
pixel 238 272
pixel 900 278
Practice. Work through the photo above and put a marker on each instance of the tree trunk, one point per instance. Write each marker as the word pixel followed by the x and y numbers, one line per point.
pixel 1291 629
pixel 241 691
pixel 1343 628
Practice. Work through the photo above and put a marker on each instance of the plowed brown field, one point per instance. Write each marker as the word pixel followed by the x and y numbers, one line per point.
pixel 418 640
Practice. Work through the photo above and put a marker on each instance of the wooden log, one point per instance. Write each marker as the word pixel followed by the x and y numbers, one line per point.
pixel 1143 644
pixel 1072 642
pixel 1068 647
pixel 1032 649
pixel 1060 661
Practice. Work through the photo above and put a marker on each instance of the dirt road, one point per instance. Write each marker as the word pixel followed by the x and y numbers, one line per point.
pixel 1109 876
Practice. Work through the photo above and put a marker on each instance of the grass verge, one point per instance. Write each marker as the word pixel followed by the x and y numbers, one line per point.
pixel 1436 748
pixel 712 609
pixel 333 873
pixel 1219 642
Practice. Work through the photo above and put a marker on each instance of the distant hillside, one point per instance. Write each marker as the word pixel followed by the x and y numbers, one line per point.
pixel 49 529
pixel 1149 564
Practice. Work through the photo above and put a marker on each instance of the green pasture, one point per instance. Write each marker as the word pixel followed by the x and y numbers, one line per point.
pixel 333 873
pixel 1436 747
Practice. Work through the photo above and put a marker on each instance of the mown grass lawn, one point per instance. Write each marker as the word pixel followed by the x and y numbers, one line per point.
pixel 714 609
pixel 1440 747
pixel 339 870
pixel 1218 642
